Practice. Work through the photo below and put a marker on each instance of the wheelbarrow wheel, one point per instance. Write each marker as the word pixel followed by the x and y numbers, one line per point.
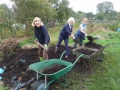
pixel 42 85
pixel 39 85
pixel 35 85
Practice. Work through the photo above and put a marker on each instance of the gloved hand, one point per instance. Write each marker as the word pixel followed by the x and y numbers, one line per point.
pixel 45 47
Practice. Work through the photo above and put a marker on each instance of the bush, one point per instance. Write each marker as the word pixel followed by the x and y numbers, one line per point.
pixel 114 26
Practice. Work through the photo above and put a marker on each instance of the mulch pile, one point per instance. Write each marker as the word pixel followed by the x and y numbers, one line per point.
pixel 53 69
pixel 93 45
pixel 85 51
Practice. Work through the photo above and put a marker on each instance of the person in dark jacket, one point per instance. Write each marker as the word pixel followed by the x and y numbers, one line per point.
pixel 42 38
pixel 64 35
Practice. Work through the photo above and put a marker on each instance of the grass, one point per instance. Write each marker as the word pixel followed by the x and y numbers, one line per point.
pixel 3 88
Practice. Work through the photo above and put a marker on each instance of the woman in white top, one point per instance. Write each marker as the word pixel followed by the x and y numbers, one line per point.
pixel 81 32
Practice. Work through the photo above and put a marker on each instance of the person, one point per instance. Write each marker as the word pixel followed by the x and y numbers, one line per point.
pixel 81 32
pixel 42 38
pixel 64 35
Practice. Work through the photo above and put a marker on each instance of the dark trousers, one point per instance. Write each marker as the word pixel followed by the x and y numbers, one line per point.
pixel 61 38
pixel 80 37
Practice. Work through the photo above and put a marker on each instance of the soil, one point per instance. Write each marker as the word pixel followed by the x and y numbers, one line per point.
pixel 85 51
pixel 15 66
pixel 53 69
pixel 93 45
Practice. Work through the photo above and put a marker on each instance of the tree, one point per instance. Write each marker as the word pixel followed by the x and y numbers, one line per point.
pixel 118 17
pixel 62 10
pixel 100 16
pixel 89 15
pixel 113 15
pixel 6 18
pixel 105 7
pixel 26 10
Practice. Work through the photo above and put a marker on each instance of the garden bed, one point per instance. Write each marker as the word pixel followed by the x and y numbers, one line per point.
pixel 18 69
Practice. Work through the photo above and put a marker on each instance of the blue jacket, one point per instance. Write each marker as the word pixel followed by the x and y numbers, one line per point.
pixel 42 35
pixel 66 31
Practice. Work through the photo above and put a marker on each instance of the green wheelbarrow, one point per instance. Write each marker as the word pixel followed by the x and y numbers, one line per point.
pixel 40 66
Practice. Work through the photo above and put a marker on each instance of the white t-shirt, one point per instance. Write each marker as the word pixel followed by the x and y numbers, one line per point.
pixel 82 26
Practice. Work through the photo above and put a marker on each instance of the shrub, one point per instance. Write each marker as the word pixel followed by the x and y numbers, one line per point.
pixel 114 26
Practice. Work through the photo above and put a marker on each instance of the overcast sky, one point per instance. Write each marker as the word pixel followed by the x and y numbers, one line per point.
pixel 90 5
pixel 82 5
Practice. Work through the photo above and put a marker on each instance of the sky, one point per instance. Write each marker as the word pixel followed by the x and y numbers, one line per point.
pixel 82 5
pixel 90 5
pixel 7 2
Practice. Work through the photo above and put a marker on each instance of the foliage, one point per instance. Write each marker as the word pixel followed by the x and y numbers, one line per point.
pixel 26 41
pixel 31 9
pixel 100 16
pixel 6 18
pixel 105 11
pixel 89 15
pixel 3 88
pixel 114 27
pixel 62 10
pixel 105 7
pixel 118 16
pixel 26 10
pixel 20 33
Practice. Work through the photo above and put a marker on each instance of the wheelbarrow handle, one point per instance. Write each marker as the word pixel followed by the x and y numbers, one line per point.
pixel 77 59
pixel 62 55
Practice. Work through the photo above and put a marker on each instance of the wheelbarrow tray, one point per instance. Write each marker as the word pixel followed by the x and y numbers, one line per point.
pixel 84 56
pixel 40 66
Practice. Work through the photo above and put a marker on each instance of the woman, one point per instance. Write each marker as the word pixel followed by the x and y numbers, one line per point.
pixel 64 35
pixel 42 37
pixel 81 32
